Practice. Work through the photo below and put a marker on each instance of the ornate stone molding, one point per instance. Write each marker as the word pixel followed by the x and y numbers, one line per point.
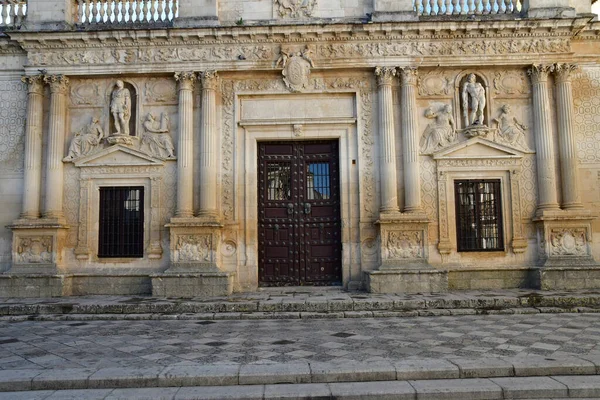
pixel 186 80
pixel 385 75
pixel 58 83
pixel 209 79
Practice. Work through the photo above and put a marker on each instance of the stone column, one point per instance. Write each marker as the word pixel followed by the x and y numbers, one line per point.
pixel 389 189
pixel 32 176
pixel 410 140
pixel 185 145
pixel 543 138
pixel 56 142
pixel 571 196
pixel 208 141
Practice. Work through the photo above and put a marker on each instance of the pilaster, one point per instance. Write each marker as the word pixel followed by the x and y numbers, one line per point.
pixel 389 188
pixel 545 158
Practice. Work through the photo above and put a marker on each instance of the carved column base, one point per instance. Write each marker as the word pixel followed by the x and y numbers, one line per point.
pixel 195 264
pixel 565 253
pixel 404 255
pixel 38 246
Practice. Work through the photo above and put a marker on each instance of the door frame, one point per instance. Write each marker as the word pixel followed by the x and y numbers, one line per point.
pixel 343 130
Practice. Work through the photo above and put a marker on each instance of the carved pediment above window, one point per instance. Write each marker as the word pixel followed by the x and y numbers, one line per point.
pixel 477 152
pixel 118 156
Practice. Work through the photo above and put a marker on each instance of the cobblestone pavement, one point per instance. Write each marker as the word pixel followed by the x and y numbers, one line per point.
pixel 102 344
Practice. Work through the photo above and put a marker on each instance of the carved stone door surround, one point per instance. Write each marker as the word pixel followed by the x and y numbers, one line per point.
pixel 489 161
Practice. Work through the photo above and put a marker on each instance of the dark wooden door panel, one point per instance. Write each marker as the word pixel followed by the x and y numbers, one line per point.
pixel 299 214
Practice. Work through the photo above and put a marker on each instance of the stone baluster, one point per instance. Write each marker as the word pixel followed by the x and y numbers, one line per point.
pixel 545 158
pixel 32 174
pixel 56 142
pixel 208 141
pixel 185 145
pixel 389 189
pixel 571 196
pixel 410 137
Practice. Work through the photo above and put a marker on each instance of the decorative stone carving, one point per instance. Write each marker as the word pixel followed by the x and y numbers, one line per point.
pixel 385 75
pixel 568 242
pixel 297 130
pixel 510 83
pixel 160 91
pixel 434 83
pixel 86 140
pixel 510 131
pixel 586 97
pixel 296 67
pixel 34 250
pixel 86 94
pixel 473 101
pixel 229 248
pixel 209 79
pixel 441 132
pixel 156 141
pixel 294 8
pixel 120 107
pixel 404 244
pixel 193 248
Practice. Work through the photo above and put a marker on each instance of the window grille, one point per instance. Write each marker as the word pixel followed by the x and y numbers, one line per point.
pixel 478 215
pixel 121 222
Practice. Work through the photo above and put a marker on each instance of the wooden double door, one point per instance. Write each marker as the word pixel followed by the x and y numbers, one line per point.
pixel 299 224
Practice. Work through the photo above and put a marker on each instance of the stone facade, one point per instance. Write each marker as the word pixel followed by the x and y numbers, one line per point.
pixel 419 96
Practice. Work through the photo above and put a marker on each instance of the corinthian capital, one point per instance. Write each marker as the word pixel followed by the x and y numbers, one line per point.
pixel 57 83
pixel 385 75
pixel 539 72
pixel 408 75
pixel 34 83
pixel 562 72
pixel 186 80
pixel 209 79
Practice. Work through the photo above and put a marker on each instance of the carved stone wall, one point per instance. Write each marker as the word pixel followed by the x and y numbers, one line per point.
pixel 586 97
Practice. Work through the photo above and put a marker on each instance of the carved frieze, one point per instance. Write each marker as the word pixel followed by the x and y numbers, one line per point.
pixel 434 83
pixel 197 51
pixel 34 250
pixel 510 83
pixel 160 91
pixel 193 248
pixel 404 245
pixel 86 94
pixel 294 8
pixel 568 242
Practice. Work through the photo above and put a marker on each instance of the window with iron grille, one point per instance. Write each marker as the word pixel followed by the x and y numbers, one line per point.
pixel 478 215
pixel 121 222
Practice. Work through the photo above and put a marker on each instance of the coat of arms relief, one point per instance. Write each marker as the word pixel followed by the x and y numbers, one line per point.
pixel 296 64
pixel 294 8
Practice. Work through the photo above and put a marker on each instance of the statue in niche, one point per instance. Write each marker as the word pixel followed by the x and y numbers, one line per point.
pixel 441 132
pixel 86 140
pixel 510 130
pixel 473 99
pixel 157 137
pixel 120 107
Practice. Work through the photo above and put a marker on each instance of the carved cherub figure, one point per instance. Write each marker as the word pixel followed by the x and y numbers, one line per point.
pixel 510 130
pixel 439 133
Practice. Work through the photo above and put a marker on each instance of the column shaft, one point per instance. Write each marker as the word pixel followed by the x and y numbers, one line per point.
pixel 32 174
pixel 571 196
pixel 208 140
pixel 410 137
pixel 185 145
pixel 389 187
pixel 56 143
pixel 543 139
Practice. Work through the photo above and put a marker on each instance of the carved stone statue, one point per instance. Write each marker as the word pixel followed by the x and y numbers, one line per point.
pixel 439 133
pixel 157 137
pixel 510 130
pixel 120 107
pixel 86 140
pixel 473 101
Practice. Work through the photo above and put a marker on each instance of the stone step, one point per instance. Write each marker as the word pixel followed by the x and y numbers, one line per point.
pixel 295 373
pixel 294 306
pixel 547 387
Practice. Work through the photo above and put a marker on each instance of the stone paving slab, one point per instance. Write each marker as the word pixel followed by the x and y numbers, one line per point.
pixel 554 387
pixel 302 303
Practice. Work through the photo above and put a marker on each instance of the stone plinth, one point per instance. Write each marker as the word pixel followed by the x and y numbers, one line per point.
pixel 194 269
pixel 26 286
pixel 565 239
pixel 38 246
pixel 404 254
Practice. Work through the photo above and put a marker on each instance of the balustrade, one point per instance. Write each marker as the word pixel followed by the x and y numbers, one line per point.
pixel 125 11
pixel 12 12
pixel 469 7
